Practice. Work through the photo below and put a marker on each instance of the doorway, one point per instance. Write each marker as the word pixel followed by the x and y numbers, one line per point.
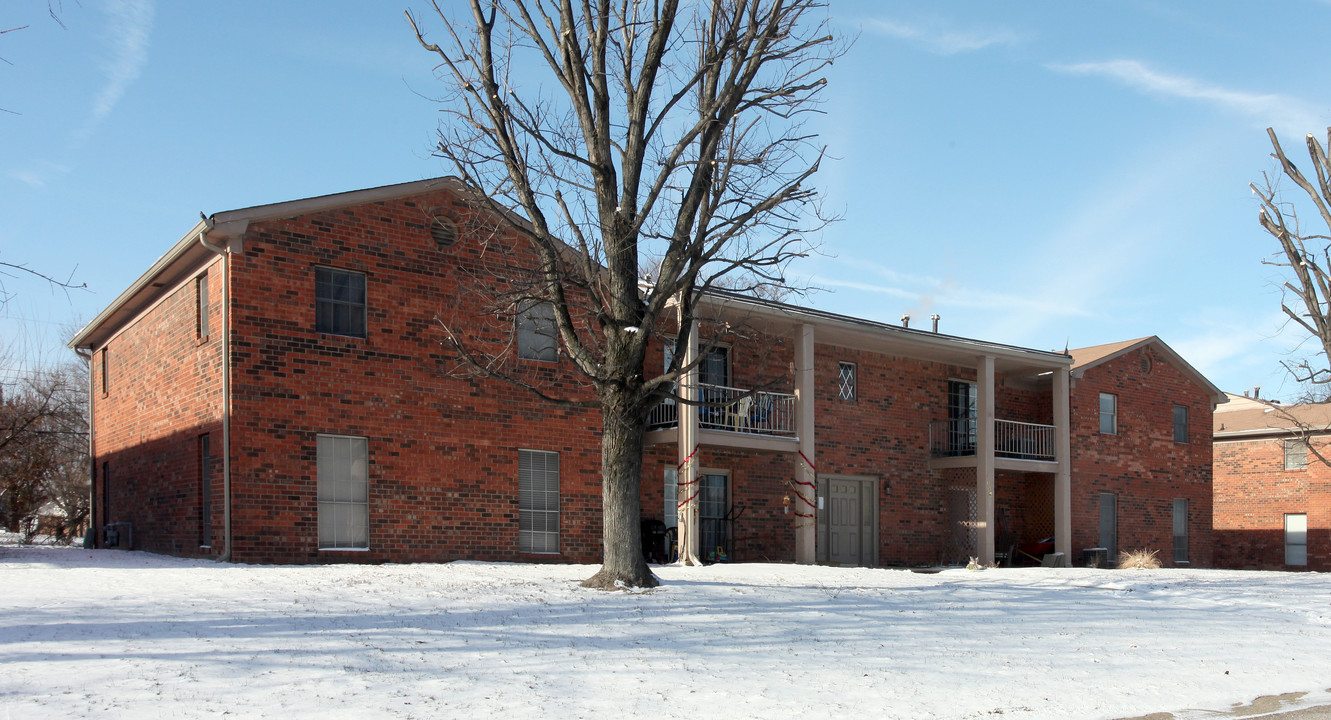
pixel 848 521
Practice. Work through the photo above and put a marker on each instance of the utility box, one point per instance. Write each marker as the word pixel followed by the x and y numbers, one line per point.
pixel 118 536
pixel 1095 557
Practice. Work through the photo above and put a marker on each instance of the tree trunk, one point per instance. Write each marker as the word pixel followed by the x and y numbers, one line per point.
pixel 621 482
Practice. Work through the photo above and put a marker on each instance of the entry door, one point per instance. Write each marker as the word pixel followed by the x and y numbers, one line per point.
pixel 714 517
pixel 844 531
pixel 1109 524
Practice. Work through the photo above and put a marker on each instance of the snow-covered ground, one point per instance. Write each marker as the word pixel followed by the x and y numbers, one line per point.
pixel 114 634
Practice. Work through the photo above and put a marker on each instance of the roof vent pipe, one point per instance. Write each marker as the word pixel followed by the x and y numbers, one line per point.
pixel 905 320
pixel 1257 392
pixel 935 317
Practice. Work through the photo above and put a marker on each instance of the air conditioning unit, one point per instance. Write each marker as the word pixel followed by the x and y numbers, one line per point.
pixel 119 536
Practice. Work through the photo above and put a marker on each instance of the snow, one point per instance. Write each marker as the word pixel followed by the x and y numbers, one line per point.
pixel 103 633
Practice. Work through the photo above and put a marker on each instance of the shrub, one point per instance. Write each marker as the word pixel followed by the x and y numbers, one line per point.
pixel 1145 559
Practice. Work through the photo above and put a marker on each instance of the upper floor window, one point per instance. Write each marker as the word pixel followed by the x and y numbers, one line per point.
pixel 339 302
pixel 537 336
pixel 106 368
pixel 1180 424
pixel 1296 454
pixel 201 306
pixel 962 397
pixel 846 380
pixel 1108 414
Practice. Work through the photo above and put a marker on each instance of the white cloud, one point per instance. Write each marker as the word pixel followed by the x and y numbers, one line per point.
pixel 1268 108
pixel 944 41
pixel 129 30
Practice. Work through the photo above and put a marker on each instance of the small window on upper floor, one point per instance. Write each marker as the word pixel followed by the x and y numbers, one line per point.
pixel 846 378
pixel 1108 414
pixel 339 302
pixel 1180 424
pixel 1296 454
pixel 537 337
pixel 201 306
pixel 106 367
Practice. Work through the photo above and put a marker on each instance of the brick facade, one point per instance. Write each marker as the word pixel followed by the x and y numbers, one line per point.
pixel 1254 492
pixel 443 447
pixel 1142 464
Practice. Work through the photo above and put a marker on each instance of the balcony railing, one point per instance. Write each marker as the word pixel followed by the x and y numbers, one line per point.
pixel 1012 439
pixel 733 409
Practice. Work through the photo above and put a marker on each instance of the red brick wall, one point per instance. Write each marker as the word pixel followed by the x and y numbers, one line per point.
pixel 163 389
pixel 443 470
pixel 1254 491
pixel 1141 464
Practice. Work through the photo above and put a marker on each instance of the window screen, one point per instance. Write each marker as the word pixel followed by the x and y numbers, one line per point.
pixel 538 501
pixel 344 487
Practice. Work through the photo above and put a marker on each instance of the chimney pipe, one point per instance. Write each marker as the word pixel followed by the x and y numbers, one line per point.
pixel 935 317
pixel 1257 392
pixel 905 320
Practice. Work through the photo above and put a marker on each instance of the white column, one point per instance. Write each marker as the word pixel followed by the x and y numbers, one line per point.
pixel 689 478
pixel 1063 454
pixel 806 521
pixel 984 459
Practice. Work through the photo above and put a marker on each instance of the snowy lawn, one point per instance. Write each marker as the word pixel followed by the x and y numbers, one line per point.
pixel 114 634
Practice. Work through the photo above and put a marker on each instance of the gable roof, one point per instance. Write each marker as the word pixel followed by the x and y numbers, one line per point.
pixel 1086 358
pixel 188 255
pixel 1258 418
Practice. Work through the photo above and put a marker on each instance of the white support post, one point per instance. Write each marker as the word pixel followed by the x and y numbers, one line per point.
pixel 984 459
pixel 688 476
pixel 806 519
pixel 1063 476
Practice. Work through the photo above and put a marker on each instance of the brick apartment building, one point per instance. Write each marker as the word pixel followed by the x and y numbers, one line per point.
pixel 274 389
pixel 1272 490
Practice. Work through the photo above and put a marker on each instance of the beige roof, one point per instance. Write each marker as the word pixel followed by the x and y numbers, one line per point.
pixel 1262 418
pixel 1088 357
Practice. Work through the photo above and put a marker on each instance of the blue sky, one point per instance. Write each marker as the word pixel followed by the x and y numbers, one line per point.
pixel 1039 173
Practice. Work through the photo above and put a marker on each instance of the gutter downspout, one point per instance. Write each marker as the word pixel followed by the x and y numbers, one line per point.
pixel 226 382
pixel 92 456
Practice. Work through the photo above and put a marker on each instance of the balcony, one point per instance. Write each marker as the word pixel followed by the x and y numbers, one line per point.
pixel 1012 439
pixel 734 410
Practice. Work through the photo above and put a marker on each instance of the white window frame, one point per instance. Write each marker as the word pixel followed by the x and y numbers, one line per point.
pixel 1110 415
pixel 538 502
pixel 1297 460
pixel 343 478
pixel 671 493
pixel 536 334
pixel 1296 539
pixel 847 380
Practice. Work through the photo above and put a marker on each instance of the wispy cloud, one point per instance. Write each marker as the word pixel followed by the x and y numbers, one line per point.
pixel 129 30
pixel 942 40
pixel 1267 108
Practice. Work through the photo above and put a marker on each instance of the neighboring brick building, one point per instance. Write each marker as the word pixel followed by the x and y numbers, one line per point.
pixel 274 389
pixel 1272 490
pixel 1141 460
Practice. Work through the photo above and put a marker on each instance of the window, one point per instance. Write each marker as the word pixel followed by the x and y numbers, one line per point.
pixel 105 369
pixel 714 517
pixel 846 380
pixel 1108 414
pixel 339 302
pixel 1296 454
pixel 205 491
pixel 1180 530
pixel 715 367
pixel 1109 525
pixel 201 306
pixel 538 501
pixel 961 412
pixel 537 337
pixel 106 493
pixel 671 497
pixel 1296 539
pixel 1180 424
pixel 344 489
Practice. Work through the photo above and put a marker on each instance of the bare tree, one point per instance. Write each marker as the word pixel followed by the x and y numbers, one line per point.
pixel 1305 250
pixel 666 133
pixel 43 451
